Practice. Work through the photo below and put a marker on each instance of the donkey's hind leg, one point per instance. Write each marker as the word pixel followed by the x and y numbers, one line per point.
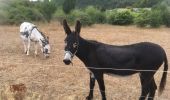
pixel 152 90
pixel 100 80
pixel 145 78
pixel 92 84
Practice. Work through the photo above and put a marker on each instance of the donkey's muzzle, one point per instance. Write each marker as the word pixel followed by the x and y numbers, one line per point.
pixel 66 61
pixel 68 57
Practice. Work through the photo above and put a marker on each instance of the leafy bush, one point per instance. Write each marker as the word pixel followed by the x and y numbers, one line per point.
pixel 96 15
pixel 59 15
pixel 155 19
pixel 151 18
pixel 120 18
pixel 20 14
pixel 18 11
pixel 110 16
pixel 3 16
pixel 80 15
pixel 142 19
pixel 46 8
pixel 165 16
pixel 68 5
pixel 123 18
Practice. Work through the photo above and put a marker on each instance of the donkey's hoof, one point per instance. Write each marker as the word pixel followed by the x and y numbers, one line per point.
pixel 89 98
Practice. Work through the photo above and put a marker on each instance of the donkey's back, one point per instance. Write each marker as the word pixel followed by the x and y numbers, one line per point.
pixel 26 26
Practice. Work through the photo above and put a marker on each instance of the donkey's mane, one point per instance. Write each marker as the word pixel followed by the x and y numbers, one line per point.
pixel 41 33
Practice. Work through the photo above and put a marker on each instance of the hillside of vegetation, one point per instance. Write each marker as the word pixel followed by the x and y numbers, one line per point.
pixel 144 13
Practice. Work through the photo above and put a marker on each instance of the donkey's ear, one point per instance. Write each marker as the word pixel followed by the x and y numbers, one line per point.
pixel 78 27
pixel 66 27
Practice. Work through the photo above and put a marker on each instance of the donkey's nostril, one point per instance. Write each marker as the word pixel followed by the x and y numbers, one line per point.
pixel 67 62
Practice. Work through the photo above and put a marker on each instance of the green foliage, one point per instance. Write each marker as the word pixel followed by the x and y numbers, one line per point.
pixel 21 13
pixel 155 19
pixel 59 15
pixel 147 3
pixel 80 15
pixel 151 18
pixel 123 18
pixel 23 10
pixel 157 16
pixel 3 15
pixel 46 9
pixel 120 18
pixel 165 14
pixel 106 4
pixel 166 18
pixel 68 5
pixel 142 19
pixel 110 16
pixel 96 15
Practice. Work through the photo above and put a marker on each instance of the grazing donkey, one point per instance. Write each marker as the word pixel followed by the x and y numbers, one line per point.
pixel 29 32
pixel 144 58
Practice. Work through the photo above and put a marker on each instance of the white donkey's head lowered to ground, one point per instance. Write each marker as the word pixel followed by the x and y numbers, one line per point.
pixel 45 46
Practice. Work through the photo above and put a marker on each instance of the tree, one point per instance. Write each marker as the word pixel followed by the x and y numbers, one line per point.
pixel 68 5
pixel 147 3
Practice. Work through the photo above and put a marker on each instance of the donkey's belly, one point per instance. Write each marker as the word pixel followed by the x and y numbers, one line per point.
pixel 121 72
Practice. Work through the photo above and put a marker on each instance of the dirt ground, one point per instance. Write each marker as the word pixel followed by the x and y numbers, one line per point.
pixel 50 79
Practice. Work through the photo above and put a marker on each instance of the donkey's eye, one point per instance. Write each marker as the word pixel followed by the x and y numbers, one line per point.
pixel 74 45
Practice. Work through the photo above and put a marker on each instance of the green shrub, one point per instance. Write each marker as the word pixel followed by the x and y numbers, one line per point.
pixel 142 20
pixel 96 15
pixel 47 9
pixel 120 18
pixel 166 17
pixel 20 14
pixel 18 11
pixel 59 15
pixel 123 18
pixel 3 17
pixel 149 18
pixel 110 16
pixel 80 15
pixel 155 19
pixel 68 5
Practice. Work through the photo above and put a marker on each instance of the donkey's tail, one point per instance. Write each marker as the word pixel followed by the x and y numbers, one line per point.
pixel 164 76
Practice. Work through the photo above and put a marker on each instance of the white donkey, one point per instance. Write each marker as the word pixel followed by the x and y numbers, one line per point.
pixel 29 32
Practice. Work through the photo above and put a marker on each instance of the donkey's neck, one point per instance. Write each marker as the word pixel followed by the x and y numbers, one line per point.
pixel 38 36
pixel 84 48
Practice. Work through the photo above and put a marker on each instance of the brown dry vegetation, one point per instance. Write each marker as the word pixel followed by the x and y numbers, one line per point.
pixel 50 79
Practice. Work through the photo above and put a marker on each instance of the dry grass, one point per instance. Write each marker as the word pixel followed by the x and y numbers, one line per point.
pixel 60 82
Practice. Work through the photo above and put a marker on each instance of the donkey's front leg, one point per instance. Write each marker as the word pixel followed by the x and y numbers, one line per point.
pixel 99 77
pixel 36 47
pixel 92 84
pixel 25 46
pixel 28 47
